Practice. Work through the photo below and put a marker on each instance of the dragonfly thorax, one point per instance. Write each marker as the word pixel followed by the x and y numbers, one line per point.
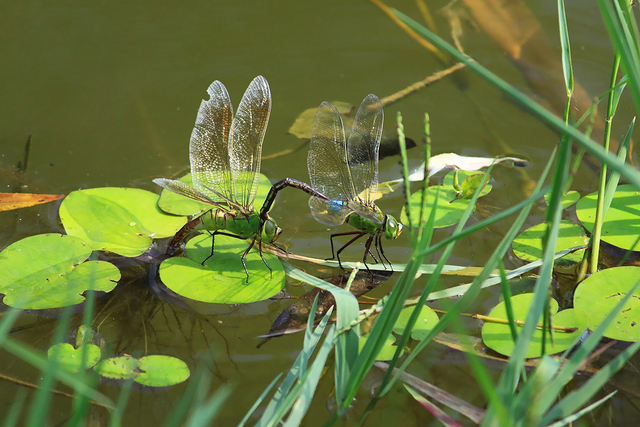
pixel 242 225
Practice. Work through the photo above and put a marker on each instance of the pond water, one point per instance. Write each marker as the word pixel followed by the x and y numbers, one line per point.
pixel 109 92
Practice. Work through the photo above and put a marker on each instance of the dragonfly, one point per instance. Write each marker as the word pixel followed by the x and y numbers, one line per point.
pixel 346 172
pixel 225 153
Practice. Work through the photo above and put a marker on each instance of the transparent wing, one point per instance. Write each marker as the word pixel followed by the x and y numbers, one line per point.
pixel 208 149
pixel 245 143
pixel 329 212
pixel 369 211
pixel 183 189
pixel 327 160
pixel 363 147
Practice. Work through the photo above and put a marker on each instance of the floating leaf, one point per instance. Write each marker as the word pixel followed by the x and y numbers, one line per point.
pixel 427 319
pixel 599 293
pixel 621 226
pixel 176 204
pixel 151 371
pixel 462 176
pixel 450 207
pixel 455 161
pixel 46 271
pixel 528 244
pixel 302 126
pixel 568 199
pixel 10 201
pixel 119 220
pixel 161 371
pixel 470 184
pixel 72 359
pixel 388 348
pixel 222 279
pixel 118 368
pixel 497 336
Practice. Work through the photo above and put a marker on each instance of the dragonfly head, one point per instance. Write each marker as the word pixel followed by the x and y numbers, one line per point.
pixel 270 231
pixel 392 228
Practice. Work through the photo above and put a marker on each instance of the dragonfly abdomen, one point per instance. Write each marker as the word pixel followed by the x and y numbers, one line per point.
pixel 211 220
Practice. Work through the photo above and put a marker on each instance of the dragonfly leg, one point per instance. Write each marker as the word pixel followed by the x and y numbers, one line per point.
pixel 381 251
pixel 373 256
pixel 261 256
pixel 281 248
pixel 333 253
pixel 213 243
pixel 244 256
pixel 367 250
pixel 359 234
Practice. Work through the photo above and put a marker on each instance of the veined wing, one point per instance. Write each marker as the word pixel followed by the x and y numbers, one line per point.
pixel 363 148
pixel 245 144
pixel 208 148
pixel 183 189
pixel 328 167
pixel 329 212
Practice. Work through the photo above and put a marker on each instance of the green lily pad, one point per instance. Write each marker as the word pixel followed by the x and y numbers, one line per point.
pixel 497 336
pixel 600 292
pixel 72 359
pixel 161 371
pixel 151 371
pixel 470 184
pixel 449 209
pixel 176 204
pixel 118 368
pixel 528 244
pixel 119 220
pixel 388 348
pixel 568 199
pixel 222 279
pixel 47 271
pixel 427 319
pixel 467 182
pixel 621 226
pixel 450 206
pixel 302 126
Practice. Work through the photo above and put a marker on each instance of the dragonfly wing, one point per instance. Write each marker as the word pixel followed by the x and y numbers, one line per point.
pixel 183 189
pixel 245 143
pixel 370 211
pixel 329 212
pixel 327 159
pixel 208 149
pixel 363 148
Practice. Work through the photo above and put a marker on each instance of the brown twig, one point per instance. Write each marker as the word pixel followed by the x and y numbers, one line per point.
pixel 61 393
pixel 386 101
pixel 567 329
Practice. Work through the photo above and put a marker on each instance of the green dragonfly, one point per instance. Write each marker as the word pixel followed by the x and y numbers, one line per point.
pixel 346 172
pixel 225 153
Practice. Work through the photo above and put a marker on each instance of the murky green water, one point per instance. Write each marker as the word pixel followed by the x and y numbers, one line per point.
pixel 109 93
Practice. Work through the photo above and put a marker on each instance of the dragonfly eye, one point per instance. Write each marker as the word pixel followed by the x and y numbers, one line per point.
pixel 278 233
pixel 392 228
pixel 270 231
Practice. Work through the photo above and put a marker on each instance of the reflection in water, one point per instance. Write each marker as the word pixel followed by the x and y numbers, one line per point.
pixel 294 318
